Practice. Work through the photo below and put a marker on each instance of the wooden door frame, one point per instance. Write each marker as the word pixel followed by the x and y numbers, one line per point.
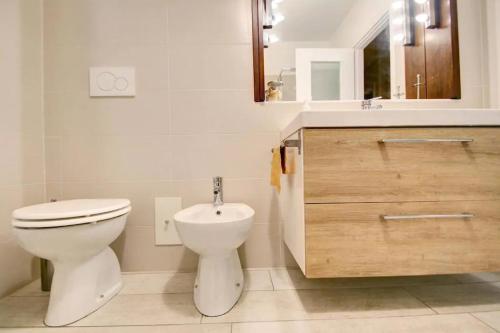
pixel 359 92
pixel 258 50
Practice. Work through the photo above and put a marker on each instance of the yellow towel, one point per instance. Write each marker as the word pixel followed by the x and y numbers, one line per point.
pixel 289 162
pixel 276 169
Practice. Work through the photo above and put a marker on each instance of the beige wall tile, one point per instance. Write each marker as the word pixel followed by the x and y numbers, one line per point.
pixel 22 159
pixel 172 138
pixel 53 159
pixel 67 67
pixel 230 156
pixel 21 131
pixel 97 22
pixel 262 248
pixel 225 66
pixel 225 21
pixel 158 283
pixel 136 251
pixel 223 111
pixel 73 114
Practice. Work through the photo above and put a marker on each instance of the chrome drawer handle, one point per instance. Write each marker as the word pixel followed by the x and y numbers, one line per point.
pixel 466 140
pixel 421 217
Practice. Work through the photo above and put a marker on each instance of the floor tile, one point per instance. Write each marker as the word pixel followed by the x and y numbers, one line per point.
pixel 459 298
pixel 257 280
pixel 322 304
pixel 23 311
pixel 145 310
pixel 32 289
pixel 206 328
pixel 479 277
pixel 286 279
pixel 157 283
pixel 490 318
pixel 461 323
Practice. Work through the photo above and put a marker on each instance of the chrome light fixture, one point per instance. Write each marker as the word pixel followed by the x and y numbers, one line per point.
pixel 408 7
pixel 433 10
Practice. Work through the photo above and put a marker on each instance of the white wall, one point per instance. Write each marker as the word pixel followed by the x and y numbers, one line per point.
pixel 21 131
pixel 363 15
pixel 282 54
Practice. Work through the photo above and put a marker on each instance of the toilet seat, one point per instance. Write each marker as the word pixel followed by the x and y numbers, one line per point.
pixel 69 213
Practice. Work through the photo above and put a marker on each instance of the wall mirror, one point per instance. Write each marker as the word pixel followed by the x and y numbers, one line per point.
pixel 333 50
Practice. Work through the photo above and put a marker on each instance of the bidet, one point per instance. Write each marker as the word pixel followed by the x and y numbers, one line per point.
pixel 215 232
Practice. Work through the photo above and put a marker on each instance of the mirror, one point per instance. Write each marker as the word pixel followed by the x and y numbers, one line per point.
pixel 334 50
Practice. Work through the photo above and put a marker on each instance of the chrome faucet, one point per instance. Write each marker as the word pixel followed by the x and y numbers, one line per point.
pixel 368 104
pixel 218 192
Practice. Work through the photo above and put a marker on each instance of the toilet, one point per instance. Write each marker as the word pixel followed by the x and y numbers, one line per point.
pixel 75 236
pixel 215 233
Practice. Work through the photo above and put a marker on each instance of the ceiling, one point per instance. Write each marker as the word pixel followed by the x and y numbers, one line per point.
pixel 310 20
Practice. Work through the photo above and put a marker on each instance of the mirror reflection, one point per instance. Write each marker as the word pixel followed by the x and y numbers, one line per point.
pixel 328 50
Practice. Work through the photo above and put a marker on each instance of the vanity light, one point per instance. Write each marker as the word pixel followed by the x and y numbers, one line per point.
pixel 272 38
pixel 397 4
pixel 278 18
pixel 275 3
pixel 408 10
pixel 398 20
pixel 398 38
pixel 421 2
pixel 422 18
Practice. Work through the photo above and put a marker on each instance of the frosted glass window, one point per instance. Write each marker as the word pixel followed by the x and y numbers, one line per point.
pixel 325 81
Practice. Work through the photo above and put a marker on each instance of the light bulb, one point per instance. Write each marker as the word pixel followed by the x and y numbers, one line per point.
pixel 275 3
pixel 422 18
pixel 398 20
pixel 397 4
pixel 272 38
pixel 278 18
pixel 399 37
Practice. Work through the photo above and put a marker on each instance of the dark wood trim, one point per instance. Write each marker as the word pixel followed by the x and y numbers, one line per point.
pixel 455 44
pixel 258 50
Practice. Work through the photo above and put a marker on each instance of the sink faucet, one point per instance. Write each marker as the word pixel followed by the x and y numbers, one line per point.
pixel 218 192
pixel 368 104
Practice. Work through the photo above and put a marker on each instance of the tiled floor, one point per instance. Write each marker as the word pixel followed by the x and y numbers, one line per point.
pixel 279 301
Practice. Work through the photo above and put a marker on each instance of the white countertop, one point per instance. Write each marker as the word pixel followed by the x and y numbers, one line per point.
pixel 392 118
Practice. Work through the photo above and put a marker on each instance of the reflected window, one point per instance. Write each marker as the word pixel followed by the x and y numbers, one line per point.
pixel 325 81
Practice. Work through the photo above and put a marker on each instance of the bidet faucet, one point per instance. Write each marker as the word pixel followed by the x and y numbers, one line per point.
pixel 218 192
pixel 368 104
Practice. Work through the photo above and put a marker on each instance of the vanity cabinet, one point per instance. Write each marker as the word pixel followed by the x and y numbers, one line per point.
pixel 395 201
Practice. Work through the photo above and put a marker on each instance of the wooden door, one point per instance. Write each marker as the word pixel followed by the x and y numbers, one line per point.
pixel 435 57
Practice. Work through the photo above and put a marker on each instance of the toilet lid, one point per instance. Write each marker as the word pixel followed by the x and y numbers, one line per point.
pixel 70 212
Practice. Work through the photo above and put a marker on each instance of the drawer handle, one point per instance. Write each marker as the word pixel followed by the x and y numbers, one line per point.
pixel 466 140
pixel 421 217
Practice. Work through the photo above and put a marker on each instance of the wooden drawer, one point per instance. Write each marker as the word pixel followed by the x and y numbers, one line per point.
pixel 351 240
pixel 351 165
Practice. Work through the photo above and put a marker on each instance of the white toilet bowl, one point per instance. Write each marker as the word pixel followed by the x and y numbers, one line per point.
pixel 75 236
pixel 216 237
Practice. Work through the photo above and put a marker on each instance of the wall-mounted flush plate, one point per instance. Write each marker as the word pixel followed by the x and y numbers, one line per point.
pixel 112 81
pixel 165 231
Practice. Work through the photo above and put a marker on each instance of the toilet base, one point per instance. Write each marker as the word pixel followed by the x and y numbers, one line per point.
pixel 81 287
pixel 219 283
